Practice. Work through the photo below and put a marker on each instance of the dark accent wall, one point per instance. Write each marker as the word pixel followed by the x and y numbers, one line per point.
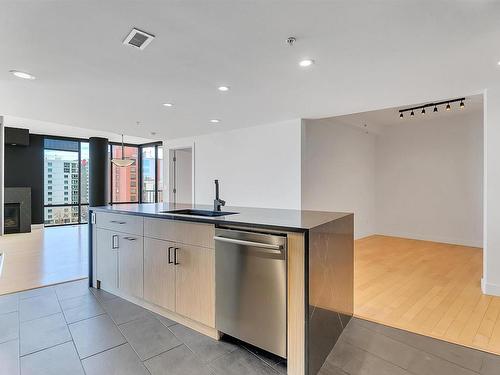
pixel 24 168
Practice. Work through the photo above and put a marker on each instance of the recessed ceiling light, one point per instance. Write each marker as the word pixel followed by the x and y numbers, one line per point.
pixel 23 75
pixel 306 63
pixel 498 63
pixel 214 121
pixel 223 88
pixel 168 104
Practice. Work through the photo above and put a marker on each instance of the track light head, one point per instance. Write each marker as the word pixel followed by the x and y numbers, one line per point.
pixel 462 105
pixel 435 108
pixel 401 115
pixel 423 111
pixel 412 113
pixel 448 107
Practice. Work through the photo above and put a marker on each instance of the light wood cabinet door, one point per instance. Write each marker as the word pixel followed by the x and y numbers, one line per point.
pixel 107 258
pixel 195 283
pixel 159 273
pixel 130 264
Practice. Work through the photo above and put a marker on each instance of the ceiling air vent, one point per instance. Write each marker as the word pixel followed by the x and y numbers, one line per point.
pixel 138 39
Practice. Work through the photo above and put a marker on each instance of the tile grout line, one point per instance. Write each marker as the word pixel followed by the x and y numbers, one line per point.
pixel 187 346
pixel 385 360
pixel 41 350
pixel 41 317
pixel 428 337
pixel 70 334
pixel 147 359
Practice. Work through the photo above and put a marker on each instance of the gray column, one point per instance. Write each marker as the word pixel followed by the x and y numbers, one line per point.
pixel 98 172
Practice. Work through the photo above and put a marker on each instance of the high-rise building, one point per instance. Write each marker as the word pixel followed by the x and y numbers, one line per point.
pixel 62 187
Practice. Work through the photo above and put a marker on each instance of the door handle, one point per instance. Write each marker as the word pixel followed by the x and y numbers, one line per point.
pixel 130 238
pixel 273 249
pixel 175 256
pixel 114 242
pixel 169 255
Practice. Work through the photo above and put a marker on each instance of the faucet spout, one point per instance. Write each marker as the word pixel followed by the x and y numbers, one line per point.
pixel 217 201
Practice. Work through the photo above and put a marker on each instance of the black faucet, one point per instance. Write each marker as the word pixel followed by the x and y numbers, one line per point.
pixel 217 201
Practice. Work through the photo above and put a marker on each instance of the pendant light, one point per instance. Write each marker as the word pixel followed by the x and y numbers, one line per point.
pixel 122 162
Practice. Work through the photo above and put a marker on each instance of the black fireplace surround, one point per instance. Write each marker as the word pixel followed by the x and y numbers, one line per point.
pixel 12 218
pixel 17 210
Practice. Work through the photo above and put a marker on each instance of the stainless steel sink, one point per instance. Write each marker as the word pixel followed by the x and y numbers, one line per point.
pixel 192 212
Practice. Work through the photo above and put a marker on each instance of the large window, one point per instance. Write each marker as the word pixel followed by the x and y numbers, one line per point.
pixel 125 180
pixel 65 181
pixel 143 180
pixel 148 178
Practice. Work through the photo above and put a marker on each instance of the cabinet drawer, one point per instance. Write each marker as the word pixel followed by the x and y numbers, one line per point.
pixel 120 223
pixel 182 232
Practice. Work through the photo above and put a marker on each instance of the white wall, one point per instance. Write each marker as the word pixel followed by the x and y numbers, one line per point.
pixel 339 171
pixel 417 179
pixel 257 166
pixel 429 179
pixel 491 254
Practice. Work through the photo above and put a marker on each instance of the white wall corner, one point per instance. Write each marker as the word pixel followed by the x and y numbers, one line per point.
pixel 489 288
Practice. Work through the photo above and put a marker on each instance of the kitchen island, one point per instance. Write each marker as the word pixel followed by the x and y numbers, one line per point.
pixel 166 262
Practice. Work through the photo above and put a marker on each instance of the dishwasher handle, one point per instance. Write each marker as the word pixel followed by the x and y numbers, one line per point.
pixel 273 249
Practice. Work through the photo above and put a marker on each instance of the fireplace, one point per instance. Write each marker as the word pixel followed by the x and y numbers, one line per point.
pixel 17 210
pixel 12 217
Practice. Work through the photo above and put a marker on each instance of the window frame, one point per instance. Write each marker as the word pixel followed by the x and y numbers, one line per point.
pixel 140 172
pixel 79 204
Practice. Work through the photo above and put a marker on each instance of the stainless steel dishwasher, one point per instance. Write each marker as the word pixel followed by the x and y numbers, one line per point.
pixel 251 287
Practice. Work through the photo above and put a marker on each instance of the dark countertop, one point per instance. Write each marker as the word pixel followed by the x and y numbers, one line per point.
pixel 281 219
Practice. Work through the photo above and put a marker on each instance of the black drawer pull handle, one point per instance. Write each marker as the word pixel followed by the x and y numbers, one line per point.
pixel 169 255
pixel 114 241
pixel 175 256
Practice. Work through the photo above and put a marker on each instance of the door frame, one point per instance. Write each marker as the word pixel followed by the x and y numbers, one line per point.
pixel 168 170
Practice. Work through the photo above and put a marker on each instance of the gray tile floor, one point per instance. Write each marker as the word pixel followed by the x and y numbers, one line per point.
pixel 71 329
pixel 370 348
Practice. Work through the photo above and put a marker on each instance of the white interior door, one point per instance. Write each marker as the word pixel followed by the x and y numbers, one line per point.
pixel 182 175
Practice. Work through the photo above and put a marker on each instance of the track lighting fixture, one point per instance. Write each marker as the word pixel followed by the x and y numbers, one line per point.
pixel 423 111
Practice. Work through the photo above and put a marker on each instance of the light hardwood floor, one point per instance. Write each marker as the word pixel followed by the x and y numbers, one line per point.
pixel 428 288
pixel 43 257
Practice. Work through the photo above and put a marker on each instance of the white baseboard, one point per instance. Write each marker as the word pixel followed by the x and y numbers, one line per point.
pixel 37 226
pixel 489 288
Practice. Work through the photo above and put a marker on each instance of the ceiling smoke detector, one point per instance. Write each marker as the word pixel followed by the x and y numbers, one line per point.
pixel 138 38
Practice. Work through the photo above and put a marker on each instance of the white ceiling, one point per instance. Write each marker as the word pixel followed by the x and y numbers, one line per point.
pixel 369 55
